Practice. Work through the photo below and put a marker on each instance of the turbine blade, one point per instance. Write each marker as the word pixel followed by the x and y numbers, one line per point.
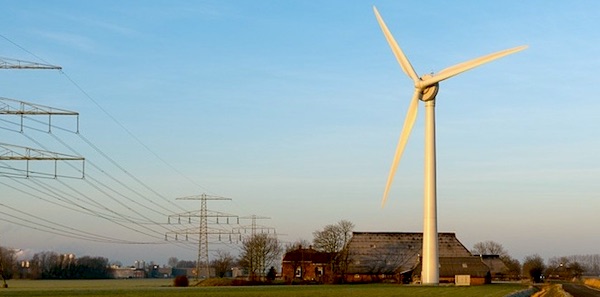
pixel 409 121
pixel 462 67
pixel 402 60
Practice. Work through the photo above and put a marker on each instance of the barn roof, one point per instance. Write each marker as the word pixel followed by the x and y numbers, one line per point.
pixel 391 252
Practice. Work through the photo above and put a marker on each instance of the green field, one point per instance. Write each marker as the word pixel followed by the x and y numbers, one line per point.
pixel 154 287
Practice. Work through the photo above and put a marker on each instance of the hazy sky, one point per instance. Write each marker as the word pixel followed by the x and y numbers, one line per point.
pixel 293 109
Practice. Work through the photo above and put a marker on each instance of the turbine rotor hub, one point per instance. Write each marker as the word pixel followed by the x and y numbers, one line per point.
pixel 428 93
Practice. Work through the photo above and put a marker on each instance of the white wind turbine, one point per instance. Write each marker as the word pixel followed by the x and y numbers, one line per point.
pixel 426 88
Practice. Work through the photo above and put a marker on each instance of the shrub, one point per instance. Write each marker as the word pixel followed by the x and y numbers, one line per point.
pixel 181 281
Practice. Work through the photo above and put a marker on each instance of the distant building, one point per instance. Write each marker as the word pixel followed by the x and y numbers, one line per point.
pixel 308 264
pixel 126 272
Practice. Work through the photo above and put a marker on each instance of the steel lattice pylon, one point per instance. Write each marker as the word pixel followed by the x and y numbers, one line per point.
pixel 202 264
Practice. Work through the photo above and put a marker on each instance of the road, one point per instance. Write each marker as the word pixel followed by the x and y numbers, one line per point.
pixel 578 290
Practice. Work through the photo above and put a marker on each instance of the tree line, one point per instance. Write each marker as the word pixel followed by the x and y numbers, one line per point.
pixel 536 269
pixel 52 265
pixel 261 252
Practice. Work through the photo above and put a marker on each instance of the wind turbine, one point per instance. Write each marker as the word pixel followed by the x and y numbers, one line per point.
pixel 426 89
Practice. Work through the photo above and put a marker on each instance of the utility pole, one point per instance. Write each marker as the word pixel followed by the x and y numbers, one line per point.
pixel 203 230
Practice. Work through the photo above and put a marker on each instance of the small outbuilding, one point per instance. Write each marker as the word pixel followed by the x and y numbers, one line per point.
pixel 498 269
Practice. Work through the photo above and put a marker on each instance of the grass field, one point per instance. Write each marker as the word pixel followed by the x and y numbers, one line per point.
pixel 160 287
pixel 593 282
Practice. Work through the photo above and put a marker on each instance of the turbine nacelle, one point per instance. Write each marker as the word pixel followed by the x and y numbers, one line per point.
pixel 428 93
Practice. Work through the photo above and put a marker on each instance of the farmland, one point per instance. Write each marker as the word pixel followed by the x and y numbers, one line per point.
pixel 162 287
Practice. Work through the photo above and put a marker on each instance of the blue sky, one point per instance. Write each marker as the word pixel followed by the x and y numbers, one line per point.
pixel 293 109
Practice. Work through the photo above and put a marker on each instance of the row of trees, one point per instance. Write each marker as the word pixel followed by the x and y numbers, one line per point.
pixel 51 265
pixel 261 252
pixel 258 253
pixel 534 266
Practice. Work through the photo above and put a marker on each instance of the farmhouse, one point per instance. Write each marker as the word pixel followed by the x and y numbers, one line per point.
pixel 308 264
pixel 395 256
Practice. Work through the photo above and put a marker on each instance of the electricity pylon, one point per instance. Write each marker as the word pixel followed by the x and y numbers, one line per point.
pixel 254 227
pixel 203 229
pixel 13 152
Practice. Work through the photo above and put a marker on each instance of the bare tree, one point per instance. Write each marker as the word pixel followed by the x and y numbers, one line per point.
pixel 296 244
pixel 534 267
pixel 7 264
pixel 173 261
pixel 589 263
pixel 259 252
pixel 514 267
pixel 489 248
pixel 222 263
pixel 333 238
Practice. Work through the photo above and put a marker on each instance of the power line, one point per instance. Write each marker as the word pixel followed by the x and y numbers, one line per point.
pixel 66 229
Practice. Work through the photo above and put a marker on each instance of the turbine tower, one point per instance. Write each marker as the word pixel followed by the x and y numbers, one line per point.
pixel 426 89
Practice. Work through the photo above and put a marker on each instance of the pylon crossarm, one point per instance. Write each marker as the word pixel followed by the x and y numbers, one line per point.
pixel 21 108
pixel 15 152
pixel 9 152
pixel 18 107
pixel 7 63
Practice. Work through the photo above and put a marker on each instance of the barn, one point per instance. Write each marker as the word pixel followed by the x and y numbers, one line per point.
pixel 396 257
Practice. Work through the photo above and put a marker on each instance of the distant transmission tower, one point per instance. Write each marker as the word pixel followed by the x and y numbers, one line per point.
pixel 254 227
pixel 202 264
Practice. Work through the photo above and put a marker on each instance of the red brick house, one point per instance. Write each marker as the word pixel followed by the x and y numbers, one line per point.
pixel 308 264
